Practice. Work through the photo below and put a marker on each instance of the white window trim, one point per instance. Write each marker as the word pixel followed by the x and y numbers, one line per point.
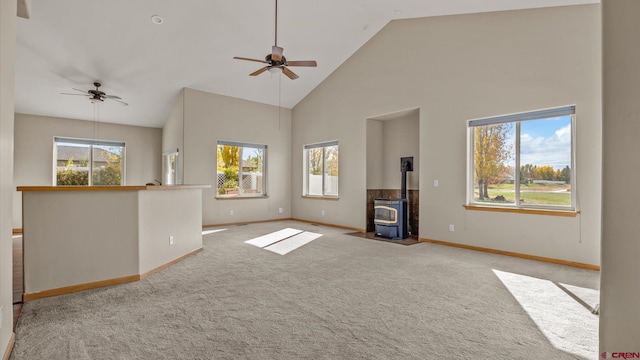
pixel 305 167
pixel 177 180
pixel 264 170
pixel 518 118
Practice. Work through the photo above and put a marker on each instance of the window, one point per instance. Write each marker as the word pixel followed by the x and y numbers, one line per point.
pixel 321 169
pixel 523 160
pixel 241 169
pixel 88 162
pixel 170 166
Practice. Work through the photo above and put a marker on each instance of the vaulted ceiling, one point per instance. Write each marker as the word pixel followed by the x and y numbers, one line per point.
pixel 72 43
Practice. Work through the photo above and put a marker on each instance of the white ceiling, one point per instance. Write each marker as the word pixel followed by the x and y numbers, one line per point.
pixel 72 43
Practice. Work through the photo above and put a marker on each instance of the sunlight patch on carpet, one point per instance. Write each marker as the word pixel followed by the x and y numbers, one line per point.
pixel 287 245
pixel 564 321
pixel 207 232
pixel 283 241
pixel 274 237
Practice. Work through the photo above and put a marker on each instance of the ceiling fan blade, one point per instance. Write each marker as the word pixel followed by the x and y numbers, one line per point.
pixel 121 102
pixel 276 53
pixel 248 59
pixel 112 97
pixel 311 63
pixel 82 91
pixel 290 74
pixel 75 94
pixel 259 71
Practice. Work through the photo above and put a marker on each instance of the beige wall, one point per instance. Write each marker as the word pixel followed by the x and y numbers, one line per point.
pixel 374 154
pixel 620 276
pixel 400 138
pixel 166 213
pixel 387 141
pixel 173 132
pixel 456 68
pixel 209 118
pixel 7 85
pixel 34 151
pixel 73 238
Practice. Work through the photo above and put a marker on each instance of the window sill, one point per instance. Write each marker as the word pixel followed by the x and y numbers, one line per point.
pixel 565 213
pixel 241 197
pixel 333 198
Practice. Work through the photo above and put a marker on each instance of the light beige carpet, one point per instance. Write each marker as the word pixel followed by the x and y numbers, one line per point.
pixel 336 297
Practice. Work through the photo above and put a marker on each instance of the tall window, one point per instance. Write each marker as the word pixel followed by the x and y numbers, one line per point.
pixel 170 168
pixel 321 169
pixel 88 162
pixel 523 160
pixel 241 169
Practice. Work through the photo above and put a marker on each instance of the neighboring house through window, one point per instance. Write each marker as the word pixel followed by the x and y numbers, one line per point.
pixel 241 169
pixel 88 162
pixel 523 160
pixel 321 169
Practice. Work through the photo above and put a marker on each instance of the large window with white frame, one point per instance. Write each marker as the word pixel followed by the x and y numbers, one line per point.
pixel 523 160
pixel 241 169
pixel 321 169
pixel 88 162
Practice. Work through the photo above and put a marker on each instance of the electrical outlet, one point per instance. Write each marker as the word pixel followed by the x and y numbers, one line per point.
pixel 322 212
pixel 451 227
pixel 435 183
pixel 230 212
pixel 171 240
pixel 280 210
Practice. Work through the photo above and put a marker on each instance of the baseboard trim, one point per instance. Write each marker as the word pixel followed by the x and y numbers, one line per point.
pixel 7 352
pixel 175 261
pixel 514 254
pixel 104 283
pixel 244 222
pixel 17 231
pixel 332 225
pixel 80 287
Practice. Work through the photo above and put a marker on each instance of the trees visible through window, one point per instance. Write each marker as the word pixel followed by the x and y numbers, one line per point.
pixel 321 169
pixel 523 160
pixel 241 169
pixel 88 162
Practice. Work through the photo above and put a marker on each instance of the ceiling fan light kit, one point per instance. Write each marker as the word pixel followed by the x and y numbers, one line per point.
pixel 276 62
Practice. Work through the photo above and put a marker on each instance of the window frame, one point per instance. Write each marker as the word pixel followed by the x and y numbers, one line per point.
pixel 305 186
pixel 517 119
pixel 167 179
pixel 91 143
pixel 240 194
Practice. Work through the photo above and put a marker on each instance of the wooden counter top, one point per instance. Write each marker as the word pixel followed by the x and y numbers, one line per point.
pixel 110 188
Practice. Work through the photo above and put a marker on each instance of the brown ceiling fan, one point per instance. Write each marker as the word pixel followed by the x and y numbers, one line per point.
pixel 97 94
pixel 276 61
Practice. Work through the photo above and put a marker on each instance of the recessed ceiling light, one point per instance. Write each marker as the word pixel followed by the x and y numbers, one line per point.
pixel 397 12
pixel 157 19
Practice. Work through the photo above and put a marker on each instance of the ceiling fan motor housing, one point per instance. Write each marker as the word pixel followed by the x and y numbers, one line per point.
pixel 272 62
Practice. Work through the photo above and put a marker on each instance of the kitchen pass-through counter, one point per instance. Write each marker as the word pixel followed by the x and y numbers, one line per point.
pixel 83 237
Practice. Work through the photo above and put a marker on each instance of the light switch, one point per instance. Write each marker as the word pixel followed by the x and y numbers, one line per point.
pixel 435 183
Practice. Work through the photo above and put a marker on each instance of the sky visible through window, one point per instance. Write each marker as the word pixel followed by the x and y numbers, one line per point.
pixel 546 142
